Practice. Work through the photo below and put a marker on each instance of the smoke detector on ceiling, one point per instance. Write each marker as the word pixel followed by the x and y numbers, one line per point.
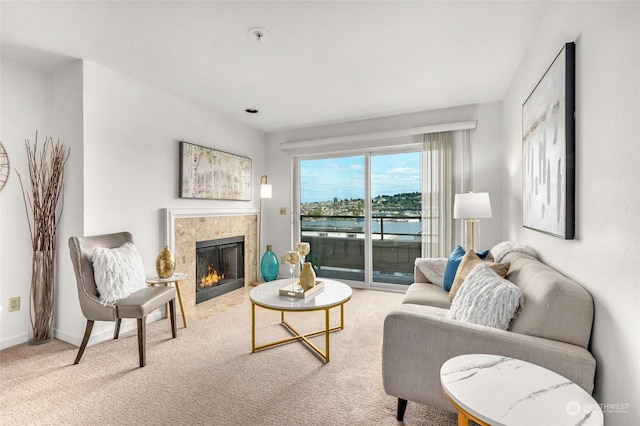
pixel 258 34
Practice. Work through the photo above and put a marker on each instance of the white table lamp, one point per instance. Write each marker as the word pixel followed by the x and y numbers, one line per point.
pixel 472 207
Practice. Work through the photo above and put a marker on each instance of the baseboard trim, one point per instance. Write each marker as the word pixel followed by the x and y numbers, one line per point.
pixel 13 341
pixel 100 337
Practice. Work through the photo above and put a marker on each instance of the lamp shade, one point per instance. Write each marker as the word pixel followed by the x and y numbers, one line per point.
pixel 265 187
pixel 472 205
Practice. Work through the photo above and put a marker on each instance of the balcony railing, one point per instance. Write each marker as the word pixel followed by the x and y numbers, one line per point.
pixel 337 246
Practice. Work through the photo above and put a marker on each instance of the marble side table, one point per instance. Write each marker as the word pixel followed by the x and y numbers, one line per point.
pixel 497 390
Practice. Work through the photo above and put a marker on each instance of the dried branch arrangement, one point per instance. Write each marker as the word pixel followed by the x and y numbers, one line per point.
pixel 43 204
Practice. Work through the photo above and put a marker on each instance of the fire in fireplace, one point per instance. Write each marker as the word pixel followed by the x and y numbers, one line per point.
pixel 212 278
pixel 219 267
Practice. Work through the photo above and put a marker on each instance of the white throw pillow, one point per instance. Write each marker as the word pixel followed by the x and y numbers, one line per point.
pixel 485 298
pixel 118 272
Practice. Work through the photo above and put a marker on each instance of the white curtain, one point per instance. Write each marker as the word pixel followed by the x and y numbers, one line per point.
pixel 437 194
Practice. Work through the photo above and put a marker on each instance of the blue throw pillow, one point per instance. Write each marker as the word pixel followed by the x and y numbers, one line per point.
pixel 454 261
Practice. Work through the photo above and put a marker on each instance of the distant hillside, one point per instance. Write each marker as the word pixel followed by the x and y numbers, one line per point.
pixel 405 204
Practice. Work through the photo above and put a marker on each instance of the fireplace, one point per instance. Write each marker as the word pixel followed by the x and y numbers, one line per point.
pixel 219 267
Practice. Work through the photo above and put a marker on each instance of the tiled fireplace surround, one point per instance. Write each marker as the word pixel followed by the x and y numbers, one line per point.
pixel 184 227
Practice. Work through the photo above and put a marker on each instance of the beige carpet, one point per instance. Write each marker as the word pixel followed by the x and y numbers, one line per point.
pixel 208 375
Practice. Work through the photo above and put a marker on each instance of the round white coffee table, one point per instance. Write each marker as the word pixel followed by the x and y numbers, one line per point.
pixel 267 295
pixel 497 390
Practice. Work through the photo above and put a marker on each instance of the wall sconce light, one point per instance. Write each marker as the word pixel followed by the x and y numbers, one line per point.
pixel 471 206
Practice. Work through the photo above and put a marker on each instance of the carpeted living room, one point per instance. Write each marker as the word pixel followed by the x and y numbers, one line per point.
pixel 360 128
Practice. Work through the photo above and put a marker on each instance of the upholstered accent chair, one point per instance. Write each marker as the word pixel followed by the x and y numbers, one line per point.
pixel 137 305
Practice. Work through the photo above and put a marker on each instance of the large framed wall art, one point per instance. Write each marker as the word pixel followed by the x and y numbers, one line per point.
pixel 214 175
pixel 548 150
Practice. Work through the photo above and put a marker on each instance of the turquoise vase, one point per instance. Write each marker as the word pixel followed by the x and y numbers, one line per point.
pixel 269 265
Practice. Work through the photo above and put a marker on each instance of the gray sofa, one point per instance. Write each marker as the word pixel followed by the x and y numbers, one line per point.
pixel 552 328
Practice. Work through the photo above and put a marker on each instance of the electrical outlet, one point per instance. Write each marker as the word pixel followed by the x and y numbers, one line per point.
pixel 14 304
pixel 283 210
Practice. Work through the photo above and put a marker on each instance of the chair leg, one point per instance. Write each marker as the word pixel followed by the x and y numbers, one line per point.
pixel 85 340
pixel 402 406
pixel 172 315
pixel 116 332
pixel 142 340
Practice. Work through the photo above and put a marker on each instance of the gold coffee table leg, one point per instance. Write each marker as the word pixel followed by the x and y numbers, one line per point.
pixel 326 334
pixel 297 335
pixel 253 327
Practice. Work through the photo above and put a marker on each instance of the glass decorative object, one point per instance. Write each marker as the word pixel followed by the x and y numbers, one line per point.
pixel 42 296
pixel 303 249
pixel 292 258
pixel 269 265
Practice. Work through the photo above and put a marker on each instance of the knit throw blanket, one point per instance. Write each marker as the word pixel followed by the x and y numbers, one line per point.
pixel 432 268
pixel 501 249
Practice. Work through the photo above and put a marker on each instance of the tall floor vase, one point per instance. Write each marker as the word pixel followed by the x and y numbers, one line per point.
pixel 42 296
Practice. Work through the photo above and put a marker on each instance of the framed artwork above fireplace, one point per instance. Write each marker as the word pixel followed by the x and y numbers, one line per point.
pixel 548 150
pixel 211 174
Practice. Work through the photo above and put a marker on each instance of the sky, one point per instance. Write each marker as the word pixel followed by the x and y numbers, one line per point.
pixel 343 177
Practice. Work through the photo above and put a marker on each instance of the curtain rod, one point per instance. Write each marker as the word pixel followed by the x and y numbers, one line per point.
pixel 433 128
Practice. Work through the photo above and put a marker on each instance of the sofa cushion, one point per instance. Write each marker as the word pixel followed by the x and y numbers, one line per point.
pixel 469 261
pixel 454 262
pixel 426 294
pixel 485 299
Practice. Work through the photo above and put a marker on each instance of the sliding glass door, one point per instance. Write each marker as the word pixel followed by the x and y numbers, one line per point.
pixel 332 194
pixel 396 225
pixel 362 216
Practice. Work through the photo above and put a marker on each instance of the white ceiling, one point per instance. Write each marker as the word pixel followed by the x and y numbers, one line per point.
pixel 323 62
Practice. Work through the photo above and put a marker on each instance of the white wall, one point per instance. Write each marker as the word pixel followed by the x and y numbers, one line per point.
pixel 26 107
pixel 122 175
pixel 486 157
pixel 66 112
pixel 603 256
pixel 485 143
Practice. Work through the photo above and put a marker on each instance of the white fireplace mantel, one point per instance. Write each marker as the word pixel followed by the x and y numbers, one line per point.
pixel 171 214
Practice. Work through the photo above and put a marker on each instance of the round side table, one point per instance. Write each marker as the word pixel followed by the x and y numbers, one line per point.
pixel 175 278
pixel 501 391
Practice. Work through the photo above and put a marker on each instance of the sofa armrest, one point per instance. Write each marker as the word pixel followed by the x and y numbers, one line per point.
pixel 417 341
